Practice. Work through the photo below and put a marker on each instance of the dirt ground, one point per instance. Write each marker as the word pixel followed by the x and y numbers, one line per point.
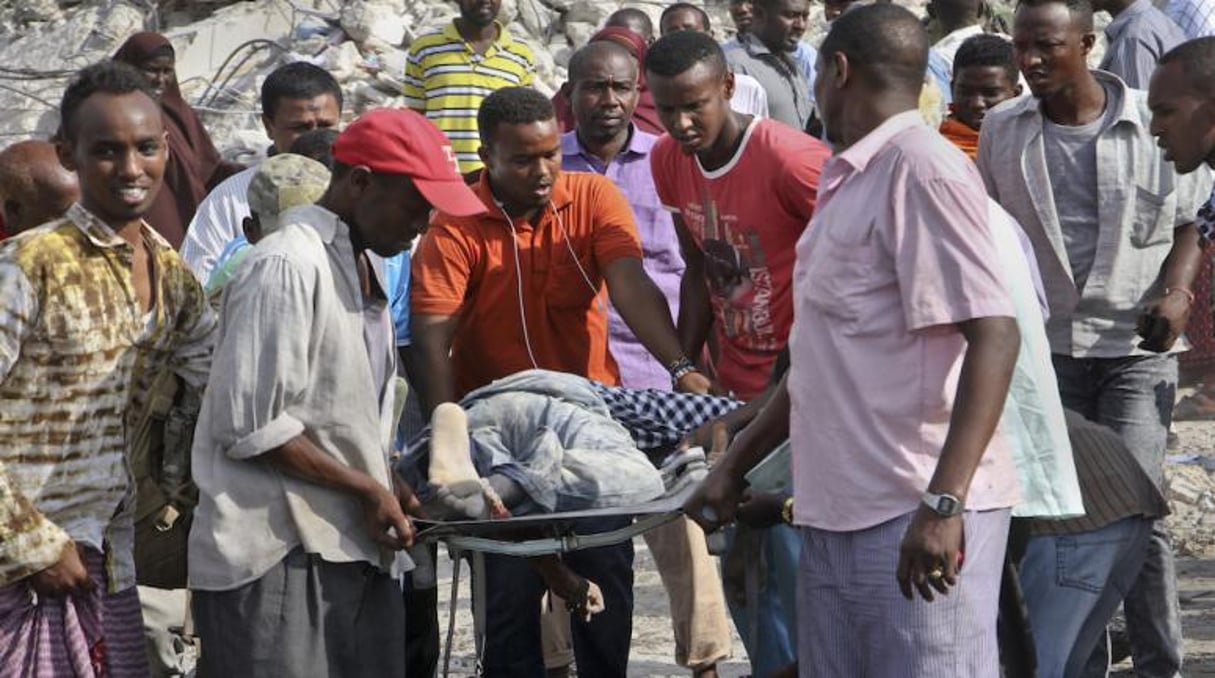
pixel 1193 494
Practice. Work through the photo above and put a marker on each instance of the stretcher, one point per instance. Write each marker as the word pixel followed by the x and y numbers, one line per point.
pixel 538 535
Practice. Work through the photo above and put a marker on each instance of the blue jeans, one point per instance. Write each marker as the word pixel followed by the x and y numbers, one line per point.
pixel 1073 584
pixel 774 643
pixel 514 590
pixel 1134 396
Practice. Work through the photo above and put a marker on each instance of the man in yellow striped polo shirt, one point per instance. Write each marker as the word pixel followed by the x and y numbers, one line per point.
pixel 452 69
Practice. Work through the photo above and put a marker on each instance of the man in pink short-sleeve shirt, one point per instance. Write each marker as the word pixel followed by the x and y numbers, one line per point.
pixel 901 351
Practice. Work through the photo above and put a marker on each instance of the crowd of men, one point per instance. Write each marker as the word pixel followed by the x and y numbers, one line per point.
pixel 944 266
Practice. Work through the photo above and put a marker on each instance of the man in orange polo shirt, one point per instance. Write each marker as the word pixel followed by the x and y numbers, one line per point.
pixel 521 287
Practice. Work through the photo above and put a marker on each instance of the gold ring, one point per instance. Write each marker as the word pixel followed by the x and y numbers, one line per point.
pixel 938 573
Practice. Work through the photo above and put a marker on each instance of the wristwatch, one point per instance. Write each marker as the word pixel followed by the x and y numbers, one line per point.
pixel 944 505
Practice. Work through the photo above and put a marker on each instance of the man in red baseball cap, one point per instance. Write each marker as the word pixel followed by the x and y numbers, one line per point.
pixel 300 519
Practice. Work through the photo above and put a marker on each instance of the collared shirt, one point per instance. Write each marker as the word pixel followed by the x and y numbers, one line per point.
pixel 1137 38
pixel 804 55
pixel 899 252
pixel 396 277
pixel 291 359
pixel 78 355
pixel 1033 412
pixel 750 97
pixel 1141 200
pixel 1196 18
pixel 788 96
pixel 630 170
pixel 948 45
pixel 217 222
pixel 447 79
pixel 527 295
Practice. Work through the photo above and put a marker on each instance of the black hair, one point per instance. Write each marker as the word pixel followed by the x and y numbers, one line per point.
pixel 686 7
pixel 591 53
pixel 1081 10
pixel 953 12
pixel 316 144
pixel 885 42
pixel 628 16
pixel 297 80
pixel 106 77
pixel 512 106
pixel 1197 59
pixel 678 52
pixel 987 50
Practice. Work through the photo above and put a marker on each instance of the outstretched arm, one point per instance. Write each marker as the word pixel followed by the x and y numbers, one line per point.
pixel 645 311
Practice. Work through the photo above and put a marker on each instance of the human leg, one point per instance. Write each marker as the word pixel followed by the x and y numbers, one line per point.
pixel 952 635
pixel 305 617
pixel 1071 586
pixel 512 619
pixel 698 607
pixel 164 610
pixel 1136 400
pixel 854 621
pixel 1122 575
pixel 601 645
pixel 760 569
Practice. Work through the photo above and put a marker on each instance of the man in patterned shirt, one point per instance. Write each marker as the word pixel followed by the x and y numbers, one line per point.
pixel 92 306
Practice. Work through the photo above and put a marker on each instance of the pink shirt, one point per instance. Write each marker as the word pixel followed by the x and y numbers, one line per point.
pixel 899 251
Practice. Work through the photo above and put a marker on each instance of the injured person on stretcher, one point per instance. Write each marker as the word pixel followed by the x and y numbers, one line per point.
pixel 548 442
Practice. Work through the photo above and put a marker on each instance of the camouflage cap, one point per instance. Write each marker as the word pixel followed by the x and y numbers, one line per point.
pixel 284 181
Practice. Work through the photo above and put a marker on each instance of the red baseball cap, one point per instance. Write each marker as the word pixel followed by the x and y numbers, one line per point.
pixel 402 141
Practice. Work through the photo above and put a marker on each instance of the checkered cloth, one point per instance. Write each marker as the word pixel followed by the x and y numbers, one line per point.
pixel 659 419
pixel 1206 220
pixel 1195 17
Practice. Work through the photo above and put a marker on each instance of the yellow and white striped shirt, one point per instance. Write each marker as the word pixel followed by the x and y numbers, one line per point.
pixel 446 80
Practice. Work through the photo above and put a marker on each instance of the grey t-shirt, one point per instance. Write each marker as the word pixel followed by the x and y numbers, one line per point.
pixel 1071 162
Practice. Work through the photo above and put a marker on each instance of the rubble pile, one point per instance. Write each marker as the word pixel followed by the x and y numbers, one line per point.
pixel 1191 493
pixel 226 48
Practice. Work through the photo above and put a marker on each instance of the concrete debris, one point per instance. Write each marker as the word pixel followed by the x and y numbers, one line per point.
pixel 1190 487
pixel 227 47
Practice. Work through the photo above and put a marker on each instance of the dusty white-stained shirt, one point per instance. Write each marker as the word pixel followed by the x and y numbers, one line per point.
pixel 77 356
pixel 291 359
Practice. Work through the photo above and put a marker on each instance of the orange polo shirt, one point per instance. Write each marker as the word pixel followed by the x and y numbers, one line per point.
pixel 466 266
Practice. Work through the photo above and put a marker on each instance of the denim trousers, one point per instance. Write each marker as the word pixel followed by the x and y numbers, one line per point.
pixel 1073 584
pixel 767 625
pixel 1134 396
pixel 513 590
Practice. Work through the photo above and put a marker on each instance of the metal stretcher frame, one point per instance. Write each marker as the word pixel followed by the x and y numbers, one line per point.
pixel 507 537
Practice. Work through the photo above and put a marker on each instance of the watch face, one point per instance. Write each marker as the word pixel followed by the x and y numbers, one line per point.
pixel 947 506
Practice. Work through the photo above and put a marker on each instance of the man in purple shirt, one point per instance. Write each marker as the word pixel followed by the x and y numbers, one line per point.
pixel 602 94
pixel 606 143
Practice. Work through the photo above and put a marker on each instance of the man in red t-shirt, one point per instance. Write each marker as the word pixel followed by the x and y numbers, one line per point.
pixel 742 190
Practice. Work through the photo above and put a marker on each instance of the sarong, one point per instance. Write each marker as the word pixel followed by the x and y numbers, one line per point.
pixel 97 635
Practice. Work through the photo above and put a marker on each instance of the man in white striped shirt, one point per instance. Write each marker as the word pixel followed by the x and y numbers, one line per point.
pixel 296 98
